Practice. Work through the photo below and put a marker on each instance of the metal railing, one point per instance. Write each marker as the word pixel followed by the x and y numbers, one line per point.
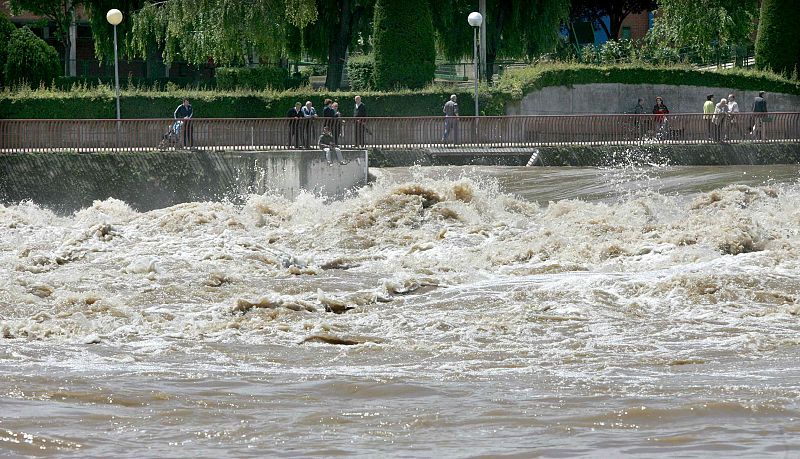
pixel 286 133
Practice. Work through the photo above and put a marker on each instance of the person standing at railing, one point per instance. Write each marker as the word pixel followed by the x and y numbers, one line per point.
pixel 336 125
pixel 450 110
pixel 721 111
pixel 295 114
pixel 759 116
pixel 661 111
pixel 733 118
pixel 360 111
pixel 638 120
pixel 309 113
pixel 708 114
pixel 184 113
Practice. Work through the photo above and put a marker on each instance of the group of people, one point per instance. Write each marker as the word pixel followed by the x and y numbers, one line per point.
pixel 722 118
pixel 302 127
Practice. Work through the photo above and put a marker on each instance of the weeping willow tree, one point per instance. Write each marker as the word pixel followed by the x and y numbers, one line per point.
pixel 703 26
pixel 339 27
pixel 226 31
pixel 515 29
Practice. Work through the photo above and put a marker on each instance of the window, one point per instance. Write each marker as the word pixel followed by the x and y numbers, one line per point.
pixel 626 33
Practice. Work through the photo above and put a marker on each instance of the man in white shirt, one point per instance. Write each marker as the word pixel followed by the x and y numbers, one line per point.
pixel 733 109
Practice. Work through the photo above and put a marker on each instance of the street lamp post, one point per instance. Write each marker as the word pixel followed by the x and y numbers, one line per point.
pixel 114 17
pixel 475 20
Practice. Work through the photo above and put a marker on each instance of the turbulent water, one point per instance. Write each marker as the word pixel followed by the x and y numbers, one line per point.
pixel 449 312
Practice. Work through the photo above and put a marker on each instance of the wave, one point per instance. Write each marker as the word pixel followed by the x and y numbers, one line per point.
pixel 225 271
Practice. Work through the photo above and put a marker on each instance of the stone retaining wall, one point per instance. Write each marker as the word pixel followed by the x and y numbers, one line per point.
pixel 147 180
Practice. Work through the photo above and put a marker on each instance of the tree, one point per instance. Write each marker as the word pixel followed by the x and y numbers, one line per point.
pixel 405 51
pixel 515 28
pixel 103 32
pixel 30 59
pixel 339 25
pixel 616 10
pixel 61 12
pixel 778 41
pixel 226 31
pixel 700 26
pixel 6 29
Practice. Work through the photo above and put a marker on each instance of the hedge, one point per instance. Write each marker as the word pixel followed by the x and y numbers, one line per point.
pixel 99 103
pixel 518 82
pixel 361 73
pixel 778 40
pixel 82 102
pixel 257 78
pixel 404 49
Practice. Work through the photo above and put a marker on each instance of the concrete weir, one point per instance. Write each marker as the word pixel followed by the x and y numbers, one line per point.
pixel 150 180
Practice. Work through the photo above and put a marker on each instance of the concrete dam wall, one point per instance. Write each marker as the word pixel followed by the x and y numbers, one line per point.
pixel 149 180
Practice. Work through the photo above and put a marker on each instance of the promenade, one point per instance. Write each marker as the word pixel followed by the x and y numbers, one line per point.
pixel 243 134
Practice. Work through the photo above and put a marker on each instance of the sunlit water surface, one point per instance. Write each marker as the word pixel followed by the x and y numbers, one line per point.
pixel 441 312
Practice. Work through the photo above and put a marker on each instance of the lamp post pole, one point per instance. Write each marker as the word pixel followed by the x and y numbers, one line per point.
pixel 114 17
pixel 475 20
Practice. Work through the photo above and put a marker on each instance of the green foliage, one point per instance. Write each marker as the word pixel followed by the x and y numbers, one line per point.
pixel 227 31
pixel 61 12
pixel 518 82
pixel 257 78
pixel 703 26
pixel 778 42
pixel 98 102
pixel 629 52
pixel 405 52
pixel 515 29
pixel 360 71
pixel 103 32
pixel 6 29
pixel 30 60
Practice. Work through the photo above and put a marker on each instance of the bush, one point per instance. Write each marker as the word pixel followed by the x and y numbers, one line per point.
pixel 518 82
pixel 257 78
pixel 778 40
pixel 361 72
pixel 405 51
pixel 6 29
pixel 30 60
pixel 82 102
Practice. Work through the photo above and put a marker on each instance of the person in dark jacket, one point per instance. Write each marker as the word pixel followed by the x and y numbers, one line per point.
pixel 184 113
pixel 294 114
pixel 661 111
pixel 360 111
pixel 760 115
pixel 326 144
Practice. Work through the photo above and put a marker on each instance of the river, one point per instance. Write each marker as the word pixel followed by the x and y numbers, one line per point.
pixel 440 312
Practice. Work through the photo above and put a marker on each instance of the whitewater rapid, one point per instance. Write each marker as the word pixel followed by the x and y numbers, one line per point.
pixel 652 294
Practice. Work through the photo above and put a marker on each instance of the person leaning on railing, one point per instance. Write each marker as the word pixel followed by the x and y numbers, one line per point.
pixel 184 113
pixel 294 114
pixel 721 112
pixel 661 111
pixel 708 114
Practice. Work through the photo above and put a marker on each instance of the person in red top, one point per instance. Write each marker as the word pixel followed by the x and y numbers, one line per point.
pixel 661 110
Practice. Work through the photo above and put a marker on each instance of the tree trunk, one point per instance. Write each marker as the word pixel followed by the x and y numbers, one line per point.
pixel 492 42
pixel 339 38
pixel 615 21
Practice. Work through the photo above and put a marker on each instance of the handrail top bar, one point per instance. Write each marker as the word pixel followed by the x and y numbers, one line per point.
pixel 583 115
